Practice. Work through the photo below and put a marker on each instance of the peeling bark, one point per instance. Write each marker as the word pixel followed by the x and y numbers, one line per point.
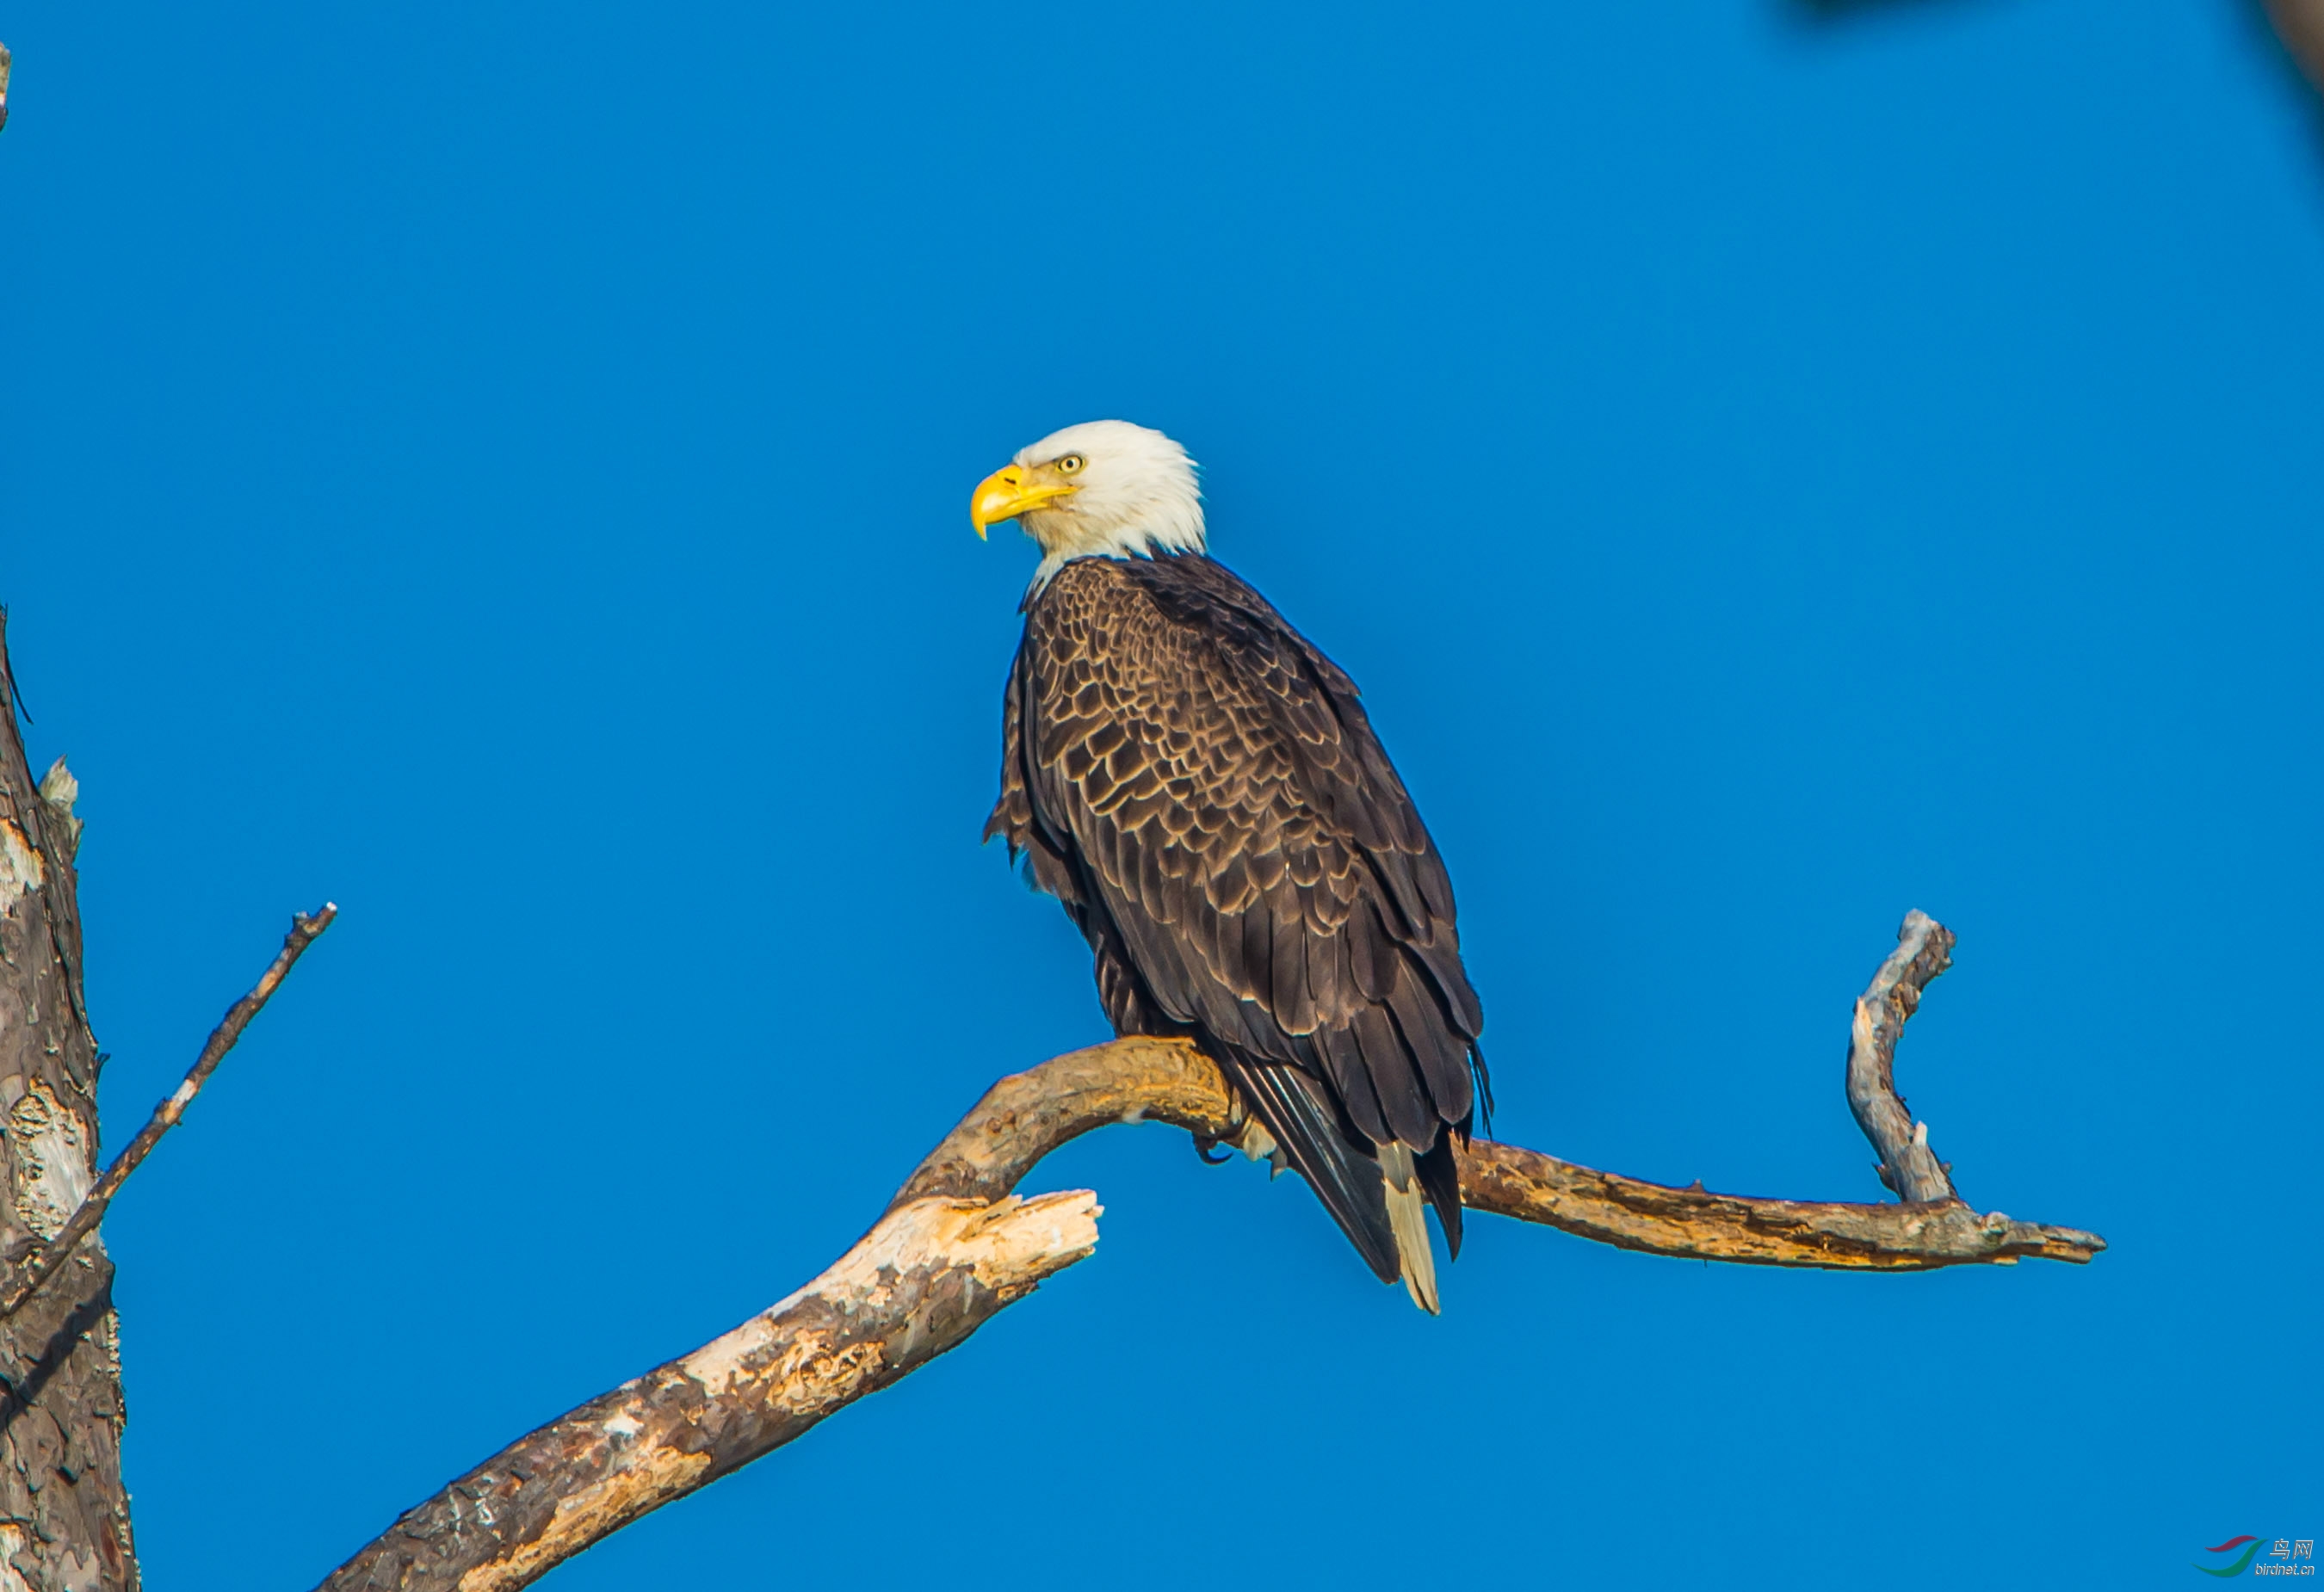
pixel 919 1282
pixel 64 1517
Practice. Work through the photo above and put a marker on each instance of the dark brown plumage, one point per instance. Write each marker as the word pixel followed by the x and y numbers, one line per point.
pixel 1202 789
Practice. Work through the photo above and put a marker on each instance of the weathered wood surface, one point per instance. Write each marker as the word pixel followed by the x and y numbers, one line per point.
pixel 1026 1116
pixel 1907 1166
pixel 64 1518
pixel 935 1268
pixel 919 1282
pixel 1694 1224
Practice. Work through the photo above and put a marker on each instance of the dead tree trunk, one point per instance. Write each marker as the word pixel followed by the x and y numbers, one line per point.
pixel 64 1518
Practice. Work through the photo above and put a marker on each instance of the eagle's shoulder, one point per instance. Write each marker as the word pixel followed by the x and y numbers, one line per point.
pixel 1194 589
pixel 1186 606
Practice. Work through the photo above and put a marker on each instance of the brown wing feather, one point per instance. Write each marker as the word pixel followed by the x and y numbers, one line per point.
pixel 1227 803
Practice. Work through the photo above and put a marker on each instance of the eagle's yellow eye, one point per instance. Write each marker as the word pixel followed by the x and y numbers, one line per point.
pixel 1071 464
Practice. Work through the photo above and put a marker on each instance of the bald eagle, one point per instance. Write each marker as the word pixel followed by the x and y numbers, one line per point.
pixel 1202 789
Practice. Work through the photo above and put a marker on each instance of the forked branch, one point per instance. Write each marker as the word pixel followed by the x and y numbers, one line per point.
pixel 955 1246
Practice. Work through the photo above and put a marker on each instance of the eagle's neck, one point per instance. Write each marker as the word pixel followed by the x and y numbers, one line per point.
pixel 1155 520
pixel 1144 543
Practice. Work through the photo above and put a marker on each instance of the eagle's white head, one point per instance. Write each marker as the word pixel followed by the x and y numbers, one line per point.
pixel 1104 489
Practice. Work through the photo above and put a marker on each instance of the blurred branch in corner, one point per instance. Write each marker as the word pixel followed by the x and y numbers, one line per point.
pixel 4 85
pixel 2299 25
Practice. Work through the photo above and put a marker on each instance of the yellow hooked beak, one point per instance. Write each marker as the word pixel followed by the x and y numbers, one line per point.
pixel 1009 492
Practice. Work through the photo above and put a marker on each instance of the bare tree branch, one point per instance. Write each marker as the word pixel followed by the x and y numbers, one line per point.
pixel 304 931
pixel 1907 1166
pixel 920 1281
pixel 1692 1224
pixel 1934 1228
pixel 955 1246
pixel 1023 1118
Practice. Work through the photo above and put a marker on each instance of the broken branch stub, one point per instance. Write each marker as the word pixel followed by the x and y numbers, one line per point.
pixel 929 1274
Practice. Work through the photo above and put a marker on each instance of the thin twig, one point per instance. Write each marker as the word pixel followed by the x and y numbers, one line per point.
pixel 304 931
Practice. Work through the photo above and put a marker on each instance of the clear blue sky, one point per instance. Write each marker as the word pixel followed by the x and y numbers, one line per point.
pixel 506 469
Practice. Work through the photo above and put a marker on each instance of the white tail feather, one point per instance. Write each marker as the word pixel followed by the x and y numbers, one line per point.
pixel 1407 1218
pixel 1256 1143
